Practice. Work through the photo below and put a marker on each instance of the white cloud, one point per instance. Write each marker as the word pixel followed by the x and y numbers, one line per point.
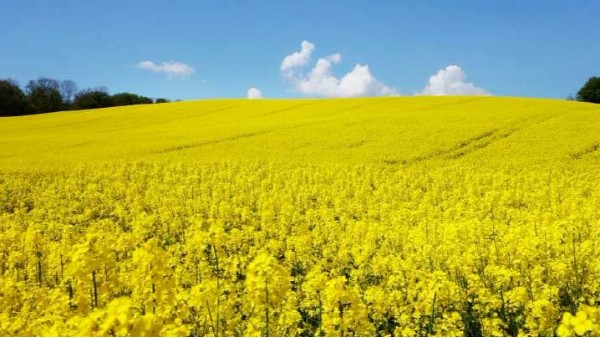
pixel 297 59
pixel 173 69
pixel 335 58
pixel 254 93
pixel 452 80
pixel 319 81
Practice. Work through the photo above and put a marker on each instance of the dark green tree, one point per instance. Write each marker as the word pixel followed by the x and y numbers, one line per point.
pixel 12 99
pixel 161 100
pixel 590 92
pixel 44 96
pixel 126 99
pixel 68 89
pixel 92 98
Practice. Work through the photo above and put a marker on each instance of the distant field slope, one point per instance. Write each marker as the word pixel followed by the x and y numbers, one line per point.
pixel 391 131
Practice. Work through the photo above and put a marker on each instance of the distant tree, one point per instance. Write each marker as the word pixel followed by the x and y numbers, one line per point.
pixel 48 95
pixel 12 99
pixel 590 92
pixel 125 99
pixel 44 96
pixel 92 98
pixel 68 89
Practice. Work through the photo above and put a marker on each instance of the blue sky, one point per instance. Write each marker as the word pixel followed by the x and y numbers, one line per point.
pixel 506 47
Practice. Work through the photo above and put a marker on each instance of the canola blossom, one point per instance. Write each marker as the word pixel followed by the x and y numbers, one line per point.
pixel 396 216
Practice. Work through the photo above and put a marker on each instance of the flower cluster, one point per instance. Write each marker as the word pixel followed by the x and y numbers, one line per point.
pixel 278 249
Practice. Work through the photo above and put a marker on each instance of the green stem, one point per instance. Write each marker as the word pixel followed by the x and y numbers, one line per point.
pixel 320 314
pixel 39 268
pixel 95 285
pixel 267 307
pixel 432 318
pixel 218 287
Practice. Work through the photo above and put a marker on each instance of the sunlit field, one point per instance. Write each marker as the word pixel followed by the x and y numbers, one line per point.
pixel 404 216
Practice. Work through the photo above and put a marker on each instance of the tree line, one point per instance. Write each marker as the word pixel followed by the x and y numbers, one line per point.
pixel 46 95
pixel 590 92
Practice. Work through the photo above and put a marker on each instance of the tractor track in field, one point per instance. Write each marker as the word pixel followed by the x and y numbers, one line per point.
pixel 357 144
pixel 440 105
pixel 76 123
pixel 483 140
pixel 258 133
pixel 230 138
pixel 468 146
pixel 187 117
pixel 211 142
pixel 585 152
pixel 356 106
pixel 479 144
pixel 461 149
pixel 277 111
pixel 42 151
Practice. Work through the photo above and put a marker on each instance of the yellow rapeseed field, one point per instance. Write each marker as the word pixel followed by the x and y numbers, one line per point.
pixel 380 216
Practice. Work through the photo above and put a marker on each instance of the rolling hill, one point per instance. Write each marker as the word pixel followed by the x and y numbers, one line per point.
pixel 393 131
pixel 417 216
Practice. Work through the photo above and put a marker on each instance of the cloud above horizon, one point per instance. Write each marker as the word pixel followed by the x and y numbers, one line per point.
pixel 451 80
pixel 254 93
pixel 173 69
pixel 319 81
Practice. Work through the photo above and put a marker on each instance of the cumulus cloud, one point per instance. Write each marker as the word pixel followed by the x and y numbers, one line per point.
pixel 254 93
pixel 297 59
pixel 452 80
pixel 173 69
pixel 320 81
